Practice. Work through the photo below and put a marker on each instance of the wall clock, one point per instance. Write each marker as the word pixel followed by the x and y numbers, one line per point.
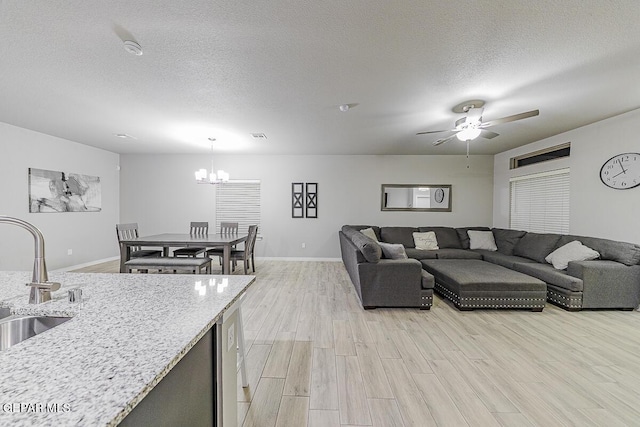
pixel 439 196
pixel 622 171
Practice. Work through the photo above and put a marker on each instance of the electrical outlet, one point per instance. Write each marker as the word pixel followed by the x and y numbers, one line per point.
pixel 304 245
pixel 231 336
pixel 69 251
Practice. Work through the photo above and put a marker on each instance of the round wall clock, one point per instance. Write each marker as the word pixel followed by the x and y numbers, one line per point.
pixel 622 171
pixel 439 195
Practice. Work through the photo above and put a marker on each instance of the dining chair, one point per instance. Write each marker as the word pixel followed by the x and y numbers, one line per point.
pixel 196 229
pixel 130 231
pixel 245 255
pixel 228 228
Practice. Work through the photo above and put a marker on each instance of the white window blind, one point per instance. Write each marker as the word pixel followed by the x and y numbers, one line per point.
pixel 540 202
pixel 238 201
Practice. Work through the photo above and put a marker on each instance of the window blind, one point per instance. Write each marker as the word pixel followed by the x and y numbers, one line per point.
pixel 540 202
pixel 238 201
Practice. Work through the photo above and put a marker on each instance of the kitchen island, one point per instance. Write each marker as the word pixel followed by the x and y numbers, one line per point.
pixel 124 338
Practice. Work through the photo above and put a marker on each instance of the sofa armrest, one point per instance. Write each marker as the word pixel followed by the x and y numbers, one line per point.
pixel 391 282
pixel 607 284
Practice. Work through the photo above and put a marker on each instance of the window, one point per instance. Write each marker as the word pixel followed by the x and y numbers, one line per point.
pixel 552 153
pixel 540 202
pixel 238 201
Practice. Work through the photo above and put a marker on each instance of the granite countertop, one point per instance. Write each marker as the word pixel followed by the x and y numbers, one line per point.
pixel 128 332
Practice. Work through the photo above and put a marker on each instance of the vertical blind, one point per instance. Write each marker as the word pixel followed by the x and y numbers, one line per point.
pixel 540 202
pixel 238 201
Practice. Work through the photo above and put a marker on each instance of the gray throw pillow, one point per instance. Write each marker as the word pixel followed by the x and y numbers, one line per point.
pixel 536 246
pixel 506 239
pixel 393 250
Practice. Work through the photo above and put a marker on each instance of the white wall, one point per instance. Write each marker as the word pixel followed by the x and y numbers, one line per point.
pixel 91 236
pixel 596 210
pixel 159 192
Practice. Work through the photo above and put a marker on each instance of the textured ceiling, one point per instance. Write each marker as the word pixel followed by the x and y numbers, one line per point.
pixel 225 69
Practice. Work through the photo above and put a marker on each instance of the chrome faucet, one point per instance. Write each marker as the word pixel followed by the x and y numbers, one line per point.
pixel 41 288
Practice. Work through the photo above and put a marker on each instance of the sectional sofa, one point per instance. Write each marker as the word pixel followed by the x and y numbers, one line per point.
pixel 515 275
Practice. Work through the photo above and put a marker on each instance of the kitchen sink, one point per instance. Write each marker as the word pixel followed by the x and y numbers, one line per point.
pixel 14 330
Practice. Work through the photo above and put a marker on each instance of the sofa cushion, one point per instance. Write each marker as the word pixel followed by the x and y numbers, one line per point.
pixel 393 250
pixel 457 254
pixel 402 235
pixel 463 234
pixel 447 237
pixel 482 240
pixel 369 233
pixel 426 241
pixel 626 253
pixel 369 247
pixel 420 253
pixel 572 251
pixel 506 240
pixel 502 259
pixel 548 274
pixel 536 246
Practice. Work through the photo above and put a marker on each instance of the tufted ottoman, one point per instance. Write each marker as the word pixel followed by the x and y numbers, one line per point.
pixel 473 284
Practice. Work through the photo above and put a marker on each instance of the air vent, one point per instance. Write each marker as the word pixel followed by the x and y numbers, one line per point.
pixel 259 135
pixel 551 153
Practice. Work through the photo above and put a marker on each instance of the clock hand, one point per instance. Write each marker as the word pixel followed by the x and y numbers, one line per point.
pixel 623 169
pixel 619 174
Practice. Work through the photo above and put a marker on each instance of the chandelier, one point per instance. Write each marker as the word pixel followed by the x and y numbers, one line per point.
pixel 204 177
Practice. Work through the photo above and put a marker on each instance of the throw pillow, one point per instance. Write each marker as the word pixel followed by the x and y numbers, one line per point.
pixel 574 251
pixel 426 241
pixel 369 233
pixel 482 240
pixel 393 250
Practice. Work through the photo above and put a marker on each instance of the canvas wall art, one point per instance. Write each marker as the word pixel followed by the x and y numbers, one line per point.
pixel 53 191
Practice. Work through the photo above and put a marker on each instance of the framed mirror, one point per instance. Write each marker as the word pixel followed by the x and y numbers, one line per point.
pixel 416 197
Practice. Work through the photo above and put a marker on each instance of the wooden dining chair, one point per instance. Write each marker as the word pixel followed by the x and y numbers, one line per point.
pixel 245 255
pixel 130 231
pixel 228 228
pixel 196 229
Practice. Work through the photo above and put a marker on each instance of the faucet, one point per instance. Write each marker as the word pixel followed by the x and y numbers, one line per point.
pixel 41 288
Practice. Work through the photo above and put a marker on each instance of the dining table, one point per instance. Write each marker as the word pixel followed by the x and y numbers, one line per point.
pixel 169 240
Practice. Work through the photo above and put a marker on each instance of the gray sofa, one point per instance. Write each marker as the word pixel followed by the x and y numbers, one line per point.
pixel 611 282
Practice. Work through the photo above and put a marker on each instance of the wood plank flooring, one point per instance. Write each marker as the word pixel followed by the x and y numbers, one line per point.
pixel 316 358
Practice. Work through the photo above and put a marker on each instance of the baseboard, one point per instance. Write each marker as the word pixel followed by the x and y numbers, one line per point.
pixel 86 264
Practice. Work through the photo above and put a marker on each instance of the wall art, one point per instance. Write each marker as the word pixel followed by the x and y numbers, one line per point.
pixel 53 191
pixel 297 200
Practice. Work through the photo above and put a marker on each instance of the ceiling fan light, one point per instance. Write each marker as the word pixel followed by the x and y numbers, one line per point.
pixel 468 134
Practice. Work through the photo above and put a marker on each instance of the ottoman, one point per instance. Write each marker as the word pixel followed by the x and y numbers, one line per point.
pixel 471 284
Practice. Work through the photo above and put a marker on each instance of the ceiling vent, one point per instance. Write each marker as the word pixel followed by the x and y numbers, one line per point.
pixel 258 135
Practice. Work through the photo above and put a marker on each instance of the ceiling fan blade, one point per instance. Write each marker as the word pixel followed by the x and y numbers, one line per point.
pixel 487 134
pixel 443 140
pixel 435 131
pixel 513 118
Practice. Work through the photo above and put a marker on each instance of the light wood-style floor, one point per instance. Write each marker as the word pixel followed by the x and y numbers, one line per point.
pixel 316 358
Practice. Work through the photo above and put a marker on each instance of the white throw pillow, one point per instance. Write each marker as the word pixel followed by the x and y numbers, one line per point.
pixel 369 233
pixel 426 241
pixel 482 240
pixel 573 251
pixel 393 250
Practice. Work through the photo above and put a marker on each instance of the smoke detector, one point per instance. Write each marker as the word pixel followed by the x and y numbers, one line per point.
pixel 133 47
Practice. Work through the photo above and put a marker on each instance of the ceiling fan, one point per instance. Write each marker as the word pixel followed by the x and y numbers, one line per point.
pixel 471 126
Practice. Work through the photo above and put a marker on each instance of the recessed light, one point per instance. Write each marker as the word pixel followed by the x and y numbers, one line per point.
pixel 344 108
pixel 133 47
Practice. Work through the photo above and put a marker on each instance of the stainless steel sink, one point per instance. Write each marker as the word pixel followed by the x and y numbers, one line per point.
pixel 14 330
